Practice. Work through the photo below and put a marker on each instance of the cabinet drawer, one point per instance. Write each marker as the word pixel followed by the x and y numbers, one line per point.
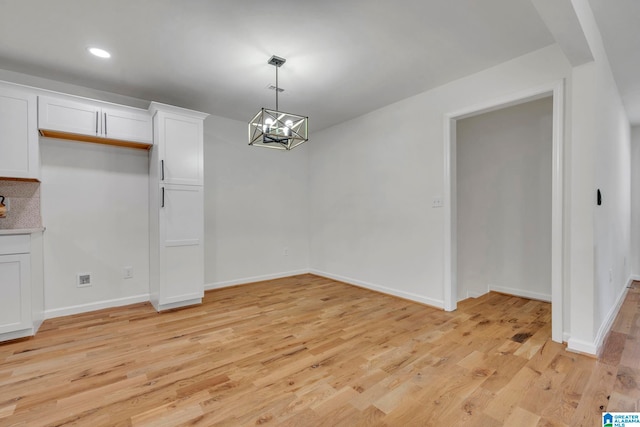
pixel 15 244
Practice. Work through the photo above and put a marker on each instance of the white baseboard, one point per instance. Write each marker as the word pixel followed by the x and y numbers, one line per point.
pixel 634 277
pixel 351 281
pixel 521 293
pixel 580 346
pixel 83 308
pixel 594 347
pixel 475 294
pixel 379 288
pixel 611 316
pixel 22 333
pixel 245 280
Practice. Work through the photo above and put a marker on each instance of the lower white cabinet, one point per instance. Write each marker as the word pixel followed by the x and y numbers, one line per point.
pixel 181 250
pixel 21 285
pixel 15 287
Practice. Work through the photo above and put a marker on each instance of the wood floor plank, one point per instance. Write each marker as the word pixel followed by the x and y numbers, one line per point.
pixel 522 418
pixel 310 351
pixel 595 397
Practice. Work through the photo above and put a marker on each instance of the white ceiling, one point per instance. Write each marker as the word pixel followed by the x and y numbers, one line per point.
pixel 344 57
pixel 619 23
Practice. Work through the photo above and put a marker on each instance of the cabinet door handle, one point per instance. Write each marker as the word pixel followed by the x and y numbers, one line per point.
pixel 162 198
pixel 105 124
pixel 97 118
pixel 162 169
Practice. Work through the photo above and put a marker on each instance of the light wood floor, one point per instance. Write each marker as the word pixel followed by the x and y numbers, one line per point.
pixel 308 351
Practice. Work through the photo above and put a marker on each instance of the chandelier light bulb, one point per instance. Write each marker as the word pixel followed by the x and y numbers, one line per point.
pixel 287 129
pixel 267 125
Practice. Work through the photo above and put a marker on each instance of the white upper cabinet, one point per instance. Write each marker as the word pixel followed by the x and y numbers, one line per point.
pixel 179 140
pixel 62 115
pixel 19 151
pixel 127 124
pixel 93 121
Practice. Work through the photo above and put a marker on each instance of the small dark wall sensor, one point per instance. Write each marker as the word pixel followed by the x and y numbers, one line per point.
pixel 599 198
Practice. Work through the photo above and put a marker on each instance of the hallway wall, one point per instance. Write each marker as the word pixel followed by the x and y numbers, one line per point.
pixel 504 161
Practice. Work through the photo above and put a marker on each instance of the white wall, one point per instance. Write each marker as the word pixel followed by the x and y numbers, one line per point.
pixel 256 205
pixel 612 218
pixel 372 181
pixel 95 210
pixel 504 201
pixel 634 261
pixel 600 152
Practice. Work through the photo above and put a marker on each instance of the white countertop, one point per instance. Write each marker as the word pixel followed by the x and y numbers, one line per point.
pixel 21 231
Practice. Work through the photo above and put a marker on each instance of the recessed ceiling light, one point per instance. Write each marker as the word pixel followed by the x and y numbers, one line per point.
pixel 100 53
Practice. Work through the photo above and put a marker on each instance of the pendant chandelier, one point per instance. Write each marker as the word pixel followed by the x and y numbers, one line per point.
pixel 274 128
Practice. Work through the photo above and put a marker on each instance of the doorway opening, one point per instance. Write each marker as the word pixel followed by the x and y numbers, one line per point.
pixel 452 292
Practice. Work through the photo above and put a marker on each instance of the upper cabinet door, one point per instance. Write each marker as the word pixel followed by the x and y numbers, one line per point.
pixel 63 115
pixel 127 124
pixel 180 139
pixel 19 150
pixel 94 121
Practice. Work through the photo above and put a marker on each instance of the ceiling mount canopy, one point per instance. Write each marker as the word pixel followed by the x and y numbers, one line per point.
pixel 277 129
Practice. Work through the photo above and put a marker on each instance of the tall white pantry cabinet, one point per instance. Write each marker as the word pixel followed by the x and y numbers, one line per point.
pixel 176 207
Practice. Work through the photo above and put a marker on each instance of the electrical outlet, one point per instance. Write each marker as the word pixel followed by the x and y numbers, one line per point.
pixel 83 280
pixel 285 251
pixel 437 202
pixel 128 272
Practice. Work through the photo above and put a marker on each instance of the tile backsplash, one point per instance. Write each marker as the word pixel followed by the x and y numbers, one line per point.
pixel 24 204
